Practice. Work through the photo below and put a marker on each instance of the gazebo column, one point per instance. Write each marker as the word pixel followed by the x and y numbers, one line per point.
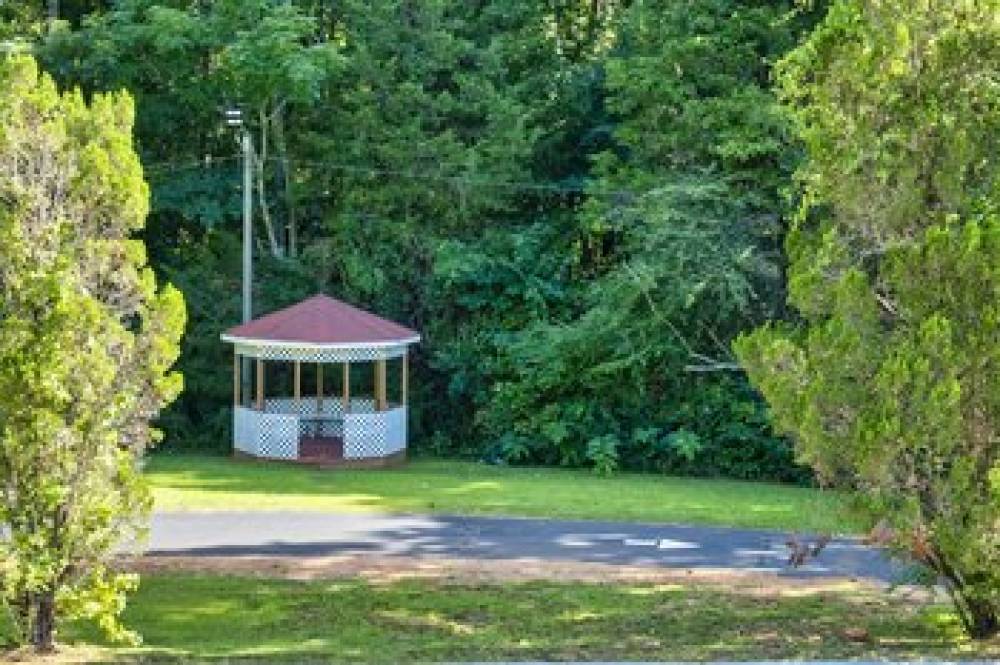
pixel 236 378
pixel 405 378
pixel 380 398
pixel 347 387
pixel 319 387
pixel 260 384
pixel 297 380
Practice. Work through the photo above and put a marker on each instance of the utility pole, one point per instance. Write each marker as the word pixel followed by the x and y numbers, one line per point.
pixel 234 118
pixel 53 15
pixel 247 227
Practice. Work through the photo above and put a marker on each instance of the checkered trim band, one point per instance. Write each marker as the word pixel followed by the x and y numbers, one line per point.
pixel 322 354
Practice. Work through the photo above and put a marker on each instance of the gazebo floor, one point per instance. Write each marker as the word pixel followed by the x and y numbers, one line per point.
pixel 321 449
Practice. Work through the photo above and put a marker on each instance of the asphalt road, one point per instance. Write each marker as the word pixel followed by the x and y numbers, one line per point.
pixel 313 534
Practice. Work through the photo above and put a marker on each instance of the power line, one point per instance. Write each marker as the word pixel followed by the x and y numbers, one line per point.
pixel 455 180
pixel 485 181
pixel 158 167
pixel 489 181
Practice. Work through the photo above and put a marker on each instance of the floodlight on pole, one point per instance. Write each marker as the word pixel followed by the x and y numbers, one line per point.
pixel 234 116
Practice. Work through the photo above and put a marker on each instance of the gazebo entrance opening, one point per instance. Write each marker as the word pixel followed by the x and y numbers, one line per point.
pixel 328 384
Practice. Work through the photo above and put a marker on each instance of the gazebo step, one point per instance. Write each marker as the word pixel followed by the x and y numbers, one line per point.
pixel 321 448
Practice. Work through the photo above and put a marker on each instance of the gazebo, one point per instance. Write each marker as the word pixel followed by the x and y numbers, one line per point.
pixel 354 418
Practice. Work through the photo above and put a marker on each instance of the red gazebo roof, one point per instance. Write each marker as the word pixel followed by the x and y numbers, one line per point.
pixel 322 320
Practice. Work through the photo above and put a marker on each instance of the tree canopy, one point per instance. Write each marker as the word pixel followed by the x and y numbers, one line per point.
pixel 889 385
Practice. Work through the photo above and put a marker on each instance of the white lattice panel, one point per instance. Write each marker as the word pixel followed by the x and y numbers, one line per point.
pixel 395 434
pixel 278 435
pixel 366 434
pixel 265 434
pixel 245 438
pixel 374 434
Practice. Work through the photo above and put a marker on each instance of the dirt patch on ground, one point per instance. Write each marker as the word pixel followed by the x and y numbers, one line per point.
pixel 64 655
pixel 387 569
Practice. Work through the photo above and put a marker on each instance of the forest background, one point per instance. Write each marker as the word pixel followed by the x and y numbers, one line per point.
pixel 578 203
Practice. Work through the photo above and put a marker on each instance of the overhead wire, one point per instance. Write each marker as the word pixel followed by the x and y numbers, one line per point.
pixel 458 180
pixel 157 167
pixel 487 181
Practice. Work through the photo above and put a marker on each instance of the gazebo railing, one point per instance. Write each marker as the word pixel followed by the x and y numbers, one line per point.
pixel 321 427
pixel 277 435
pixel 333 406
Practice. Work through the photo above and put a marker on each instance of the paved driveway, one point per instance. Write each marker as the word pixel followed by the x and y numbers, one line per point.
pixel 310 534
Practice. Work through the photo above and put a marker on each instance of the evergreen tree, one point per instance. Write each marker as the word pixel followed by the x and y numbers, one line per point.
pixel 86 343
pixel 889 386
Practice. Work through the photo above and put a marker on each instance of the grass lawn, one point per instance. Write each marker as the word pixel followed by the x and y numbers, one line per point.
pixel 196 482
pixel 192 618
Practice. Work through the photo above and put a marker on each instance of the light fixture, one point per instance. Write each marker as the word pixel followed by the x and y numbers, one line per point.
pixel 234 116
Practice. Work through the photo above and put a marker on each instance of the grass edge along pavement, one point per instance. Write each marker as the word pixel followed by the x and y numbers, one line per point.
pixel 198 618
pixel 186 482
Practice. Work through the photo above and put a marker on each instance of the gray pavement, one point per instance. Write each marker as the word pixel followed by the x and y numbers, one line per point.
pixel 313 534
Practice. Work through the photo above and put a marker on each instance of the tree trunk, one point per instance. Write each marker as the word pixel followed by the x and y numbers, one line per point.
pixel 984 622
pixel 43 628
pixel 286 175
pixel 265 211
pixel 980 618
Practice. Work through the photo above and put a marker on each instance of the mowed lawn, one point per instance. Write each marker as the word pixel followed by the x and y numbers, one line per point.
pixel 193 618
pixel 197 482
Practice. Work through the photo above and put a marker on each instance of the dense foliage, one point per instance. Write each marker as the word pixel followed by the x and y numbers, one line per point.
pixel 890 385
pixel 578 204
pixel 86 344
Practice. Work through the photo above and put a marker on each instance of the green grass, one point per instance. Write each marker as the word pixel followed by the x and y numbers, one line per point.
pixel 192 482
pixel 188 618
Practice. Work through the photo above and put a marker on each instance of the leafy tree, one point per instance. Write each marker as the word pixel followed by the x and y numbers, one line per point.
pixel 184 62
pixel 18 22
pixel 86 343
pixel 889 385
pixel 676 252
pixel 420 150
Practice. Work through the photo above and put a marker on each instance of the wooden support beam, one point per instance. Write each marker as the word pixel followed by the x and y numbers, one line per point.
pixel 260 384
pixel 347 387
pixel 405 388
pixel 381 403
pixel 319 387
pixel 236 379
pixel 297 372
